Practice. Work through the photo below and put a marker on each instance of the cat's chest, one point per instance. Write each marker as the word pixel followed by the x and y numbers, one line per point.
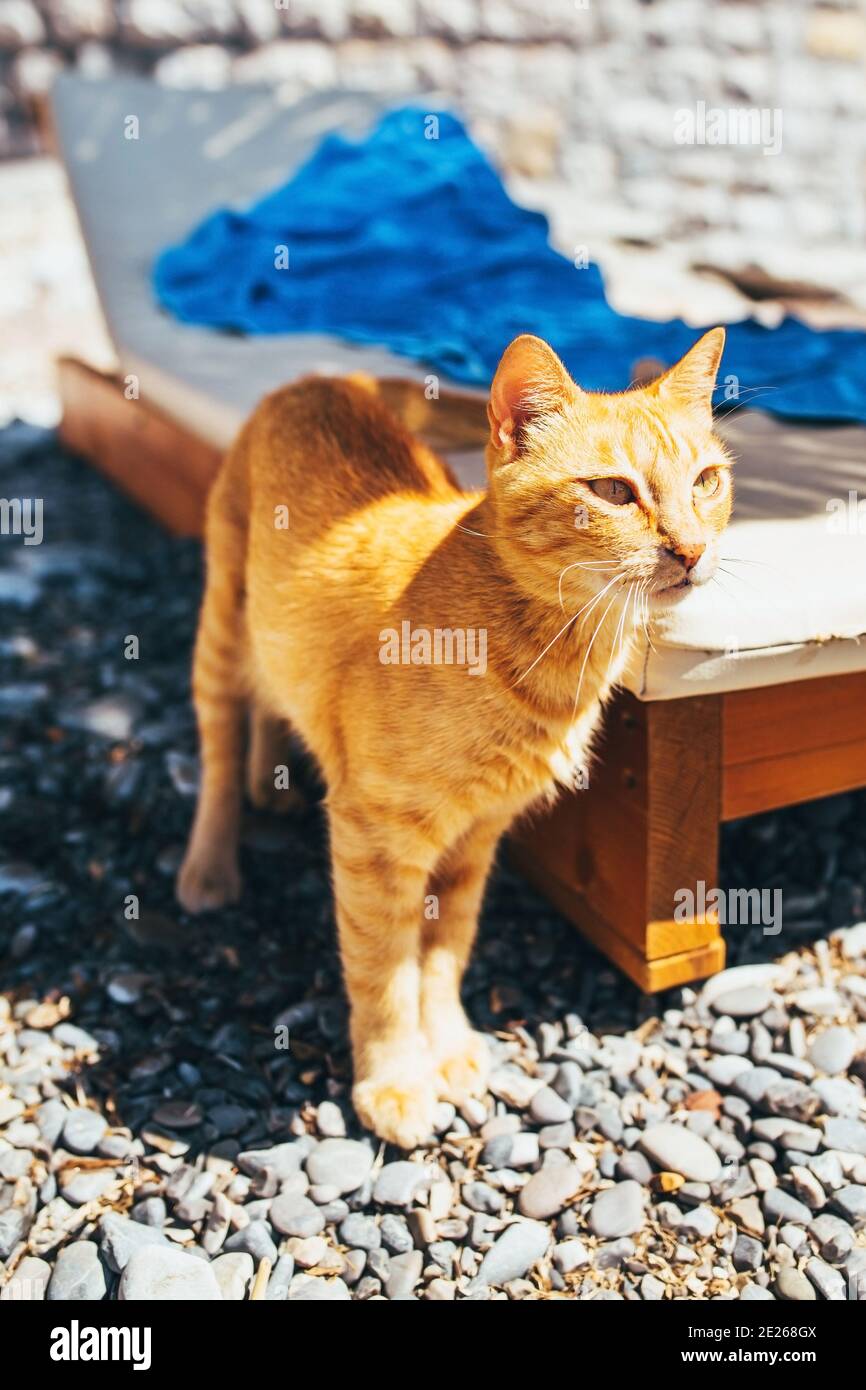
pixel 567 760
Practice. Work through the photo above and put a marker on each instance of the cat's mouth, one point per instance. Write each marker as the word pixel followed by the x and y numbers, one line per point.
pixel 681 586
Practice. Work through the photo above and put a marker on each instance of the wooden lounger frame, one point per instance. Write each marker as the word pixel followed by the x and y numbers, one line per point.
pixel 613 856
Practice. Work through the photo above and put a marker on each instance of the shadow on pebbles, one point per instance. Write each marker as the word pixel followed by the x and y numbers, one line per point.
pixel 174 1112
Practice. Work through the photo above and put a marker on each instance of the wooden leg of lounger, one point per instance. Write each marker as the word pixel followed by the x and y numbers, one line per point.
pixel 164 467
pixel 631 858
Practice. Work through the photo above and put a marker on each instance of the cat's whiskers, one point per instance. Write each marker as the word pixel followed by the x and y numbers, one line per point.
pixel 591 643
pixel 594 565
pixel 565 628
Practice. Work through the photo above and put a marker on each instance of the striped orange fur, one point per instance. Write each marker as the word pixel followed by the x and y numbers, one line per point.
pixel 344 568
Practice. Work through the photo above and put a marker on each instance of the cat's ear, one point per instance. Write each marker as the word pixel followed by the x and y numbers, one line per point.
pixel 691 381
pixel 530 382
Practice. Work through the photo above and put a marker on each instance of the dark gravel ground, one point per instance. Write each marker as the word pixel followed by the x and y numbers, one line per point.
pixel 97 774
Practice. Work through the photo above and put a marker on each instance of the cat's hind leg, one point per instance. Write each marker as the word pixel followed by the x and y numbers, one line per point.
pixel 209 876
pixel 267 762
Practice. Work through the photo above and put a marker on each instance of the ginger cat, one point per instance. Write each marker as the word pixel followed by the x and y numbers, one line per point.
pixel 445 655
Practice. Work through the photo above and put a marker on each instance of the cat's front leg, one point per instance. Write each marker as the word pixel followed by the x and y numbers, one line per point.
pixel 460 1056
pixel 379 883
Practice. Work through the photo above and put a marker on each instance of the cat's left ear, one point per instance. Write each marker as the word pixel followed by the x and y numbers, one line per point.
pixel 691 381
pixel 530 382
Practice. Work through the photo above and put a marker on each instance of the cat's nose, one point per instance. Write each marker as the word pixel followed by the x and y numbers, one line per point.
pixel 687 554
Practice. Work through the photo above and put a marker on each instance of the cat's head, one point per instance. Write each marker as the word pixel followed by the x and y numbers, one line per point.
pixel 634 484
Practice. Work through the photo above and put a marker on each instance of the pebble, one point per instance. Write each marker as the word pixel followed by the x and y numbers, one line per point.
pixel 833 1051
pixel 723 1071
pixel 398 1183
pixel 851 1203
pixel 845 1134
pixel 29 1283
pixel 341 1163
pixel 78 1275
pixel 745 1002
pixel 234 1274
pixel 395 1234
pixel 120 1238
pixel 677 1150
pixel 360 1232
pixel 548 1190
pixel 255 1239
pixel 306 1288
pixel 834 1236
pixel 403 1275
pixel 792 1285
pixel 549 1108
pixel 330 1120
pixel 828 1281
pixel 569 1255
pixel 83 1130
pixel 295 1215
pixel 780 1206
pixel 167 1275
pixel 618 1211
pixel 516 1250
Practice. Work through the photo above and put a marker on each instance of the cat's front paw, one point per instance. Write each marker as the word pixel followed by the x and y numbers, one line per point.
pixel 462 1062
pixel 396 1105
pixel 205 884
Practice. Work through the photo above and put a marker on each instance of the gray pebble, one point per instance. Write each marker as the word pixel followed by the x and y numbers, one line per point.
pixel 480 1196
pixel 794 1286
pixel 166 1274
pixel 398 1183
pixel 360 1232
pixel 748 1253
pixel 295 1215
pixel 280 1279
pixel 834 1236
pixel 120 1238
pixel 547 1107
pixel 308 1288
pixel 404 1274
pixel 675 1149
pixel 548 1190
pixel 829 1282
pixel 779 1206
pixel 745 1002
pixel 234 1274
pixel 255 1239
pixel 282 1160
pixel 78 1275
pixel 618 1211
pixel 851 1203
pixel 834 1050
pixel 83 1129
pixel 514 1253
pixel 847 1135
pixel 395 1234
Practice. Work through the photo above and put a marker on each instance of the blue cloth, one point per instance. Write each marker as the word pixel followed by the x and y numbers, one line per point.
pixel 412 243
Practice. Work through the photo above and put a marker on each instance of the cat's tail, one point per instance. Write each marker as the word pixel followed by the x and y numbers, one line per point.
pixel 454 420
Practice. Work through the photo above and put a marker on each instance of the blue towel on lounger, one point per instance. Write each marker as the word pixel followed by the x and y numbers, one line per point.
pixel 413 243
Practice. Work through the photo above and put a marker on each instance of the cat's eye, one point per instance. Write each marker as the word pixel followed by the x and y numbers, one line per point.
pixel 708 482
pixel 612 490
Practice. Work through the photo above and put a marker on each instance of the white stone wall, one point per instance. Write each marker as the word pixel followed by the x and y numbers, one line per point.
pixel 587 97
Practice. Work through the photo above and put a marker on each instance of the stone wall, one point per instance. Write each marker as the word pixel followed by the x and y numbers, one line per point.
pixel 600 96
